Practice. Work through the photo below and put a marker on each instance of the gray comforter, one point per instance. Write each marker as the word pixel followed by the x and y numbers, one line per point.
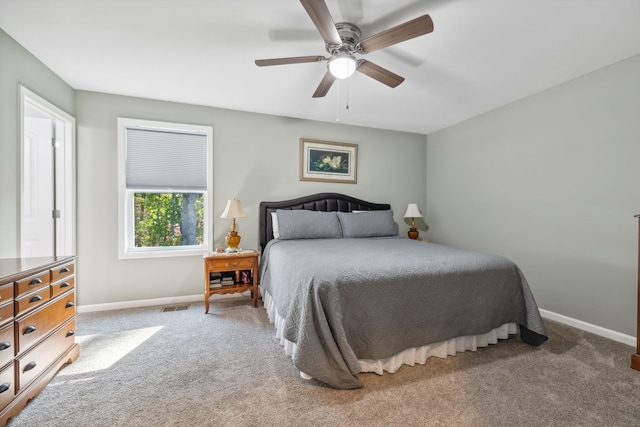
pixel 349 299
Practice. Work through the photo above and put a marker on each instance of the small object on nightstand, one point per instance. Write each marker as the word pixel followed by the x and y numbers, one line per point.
pixel 413 212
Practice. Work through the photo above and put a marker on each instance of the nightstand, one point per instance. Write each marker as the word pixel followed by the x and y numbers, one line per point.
pixel 227 273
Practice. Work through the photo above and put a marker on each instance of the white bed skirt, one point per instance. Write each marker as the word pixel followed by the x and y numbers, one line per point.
pixel 410 356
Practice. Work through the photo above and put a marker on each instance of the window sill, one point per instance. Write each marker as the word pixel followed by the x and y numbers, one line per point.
pixel 170 253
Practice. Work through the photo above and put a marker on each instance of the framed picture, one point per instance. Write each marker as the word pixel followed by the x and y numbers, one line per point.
pixel 328 161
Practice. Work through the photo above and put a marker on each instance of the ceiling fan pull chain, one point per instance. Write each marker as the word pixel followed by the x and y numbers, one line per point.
pixel 347 83
pixel 338 101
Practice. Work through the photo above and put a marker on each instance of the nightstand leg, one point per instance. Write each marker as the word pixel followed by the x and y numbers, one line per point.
pixel 254 272
pixel 207 289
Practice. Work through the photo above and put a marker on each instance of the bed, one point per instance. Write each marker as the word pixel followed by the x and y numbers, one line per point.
pixel 348 295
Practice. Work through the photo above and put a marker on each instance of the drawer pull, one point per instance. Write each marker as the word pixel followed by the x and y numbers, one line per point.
pixel 35 299
pixel 69 304
pixel 70 333
pixel 4 387
pixel 4 345
pixel 64 270
pixel 64 285
pixel 35 281
pixel 29 366
pixel 235 264
pixel 29 329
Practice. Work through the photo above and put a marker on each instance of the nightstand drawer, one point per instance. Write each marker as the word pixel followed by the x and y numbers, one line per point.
pixel 32 283
pixel 231 264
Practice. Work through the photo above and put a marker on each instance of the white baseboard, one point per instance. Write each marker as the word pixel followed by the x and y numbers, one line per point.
pixel 138 303
pixel 598 330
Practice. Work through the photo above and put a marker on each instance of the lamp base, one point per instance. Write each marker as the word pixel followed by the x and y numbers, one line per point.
pixel 413 233
pixel 233 240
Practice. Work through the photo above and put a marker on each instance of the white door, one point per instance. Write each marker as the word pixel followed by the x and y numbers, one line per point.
pixel 47 216
pixel 38 225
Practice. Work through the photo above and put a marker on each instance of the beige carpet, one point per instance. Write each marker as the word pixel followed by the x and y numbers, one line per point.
pixel 145 367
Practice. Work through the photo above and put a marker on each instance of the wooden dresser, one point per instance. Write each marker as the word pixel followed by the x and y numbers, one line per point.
pixel 635 359
pixel 37 326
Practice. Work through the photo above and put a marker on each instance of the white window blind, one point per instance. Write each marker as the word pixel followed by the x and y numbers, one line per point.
pixel 158 159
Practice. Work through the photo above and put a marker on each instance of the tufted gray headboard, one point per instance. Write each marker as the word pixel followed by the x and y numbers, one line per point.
pixel 324 202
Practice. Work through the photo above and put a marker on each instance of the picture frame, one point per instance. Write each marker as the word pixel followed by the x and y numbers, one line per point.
pixel 326 161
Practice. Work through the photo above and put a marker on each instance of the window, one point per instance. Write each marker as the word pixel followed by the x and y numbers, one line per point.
pixel 164 177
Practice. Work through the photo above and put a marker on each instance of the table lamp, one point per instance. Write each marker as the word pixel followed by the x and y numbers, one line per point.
pixel 413 212
pixel 233 210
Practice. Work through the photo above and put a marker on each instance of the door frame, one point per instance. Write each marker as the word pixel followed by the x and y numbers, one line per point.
pixel 65 179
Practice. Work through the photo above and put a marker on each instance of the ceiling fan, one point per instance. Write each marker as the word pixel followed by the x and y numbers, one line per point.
pixel 342 42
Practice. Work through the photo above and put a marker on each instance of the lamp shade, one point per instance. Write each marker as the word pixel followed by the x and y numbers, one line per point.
pixel 412 211
pixel 233 210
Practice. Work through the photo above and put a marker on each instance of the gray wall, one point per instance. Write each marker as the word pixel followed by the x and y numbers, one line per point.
pixel 19 67
pixel 552 182
pixel 256 158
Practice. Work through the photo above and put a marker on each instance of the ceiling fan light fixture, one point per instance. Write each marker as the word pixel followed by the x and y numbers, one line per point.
pixel 342 66
pixel 343 43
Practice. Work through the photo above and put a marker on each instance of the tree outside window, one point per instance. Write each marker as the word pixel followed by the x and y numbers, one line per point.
pixel 168 219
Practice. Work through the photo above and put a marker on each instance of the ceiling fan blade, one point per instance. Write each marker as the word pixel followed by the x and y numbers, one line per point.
pixel 378 73
pixel 284 61
pixel 319 14
pixel 324 86
pixel 410 29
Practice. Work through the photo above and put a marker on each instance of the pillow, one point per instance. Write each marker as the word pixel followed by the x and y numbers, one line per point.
pixel 367 224
pixel 302 224
pixel 274 225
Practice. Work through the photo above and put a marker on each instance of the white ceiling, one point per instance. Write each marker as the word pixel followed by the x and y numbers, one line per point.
pixel 482 54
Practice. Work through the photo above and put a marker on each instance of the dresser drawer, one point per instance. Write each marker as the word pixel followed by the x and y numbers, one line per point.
pixel 6 312
pixel 62 286
pixel 6 293
pixel 7 386
pixel 231 264
pixel 62 271
pixel 37 324
pixel 7 345
pixel 33 300
pixel 38 359
pixel 32 283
